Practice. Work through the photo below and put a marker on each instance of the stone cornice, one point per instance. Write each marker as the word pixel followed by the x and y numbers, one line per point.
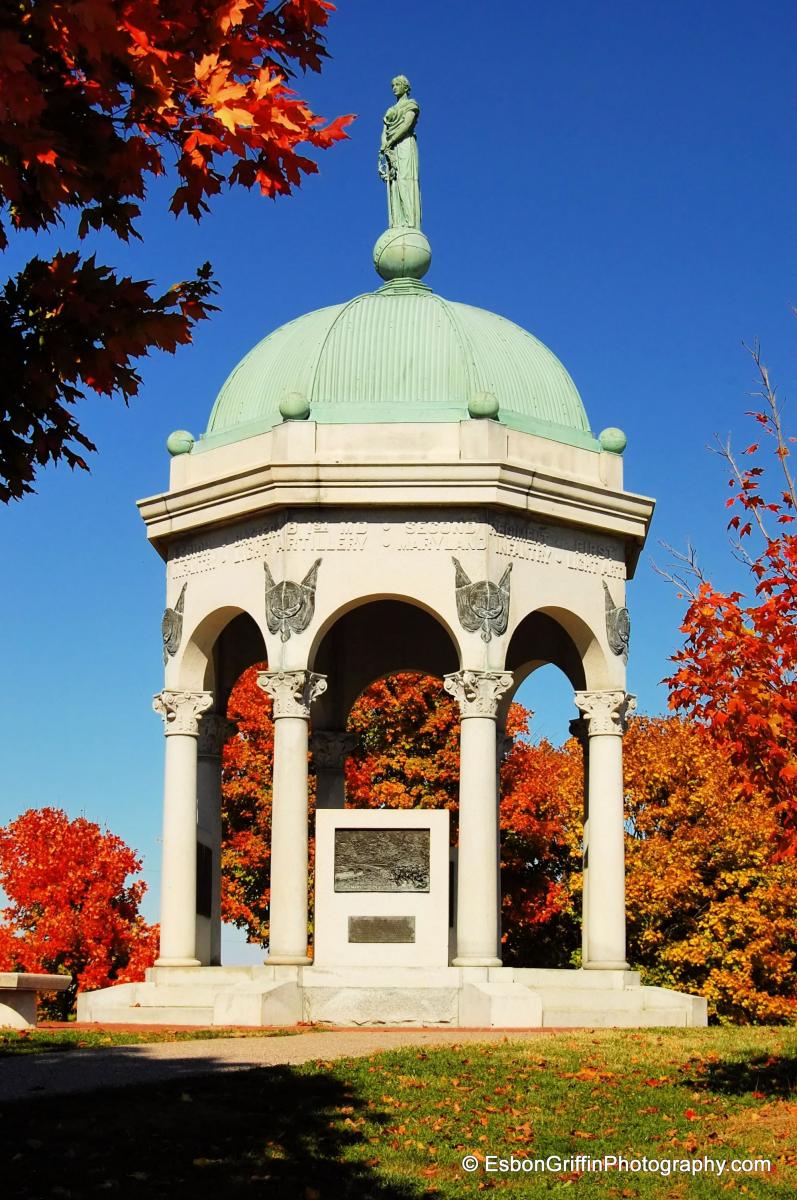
pixel 439 479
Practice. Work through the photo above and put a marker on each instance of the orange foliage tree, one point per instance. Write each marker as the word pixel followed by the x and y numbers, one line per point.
pixel 96 98
pixel 71 910
pixel 246 809
pixel 709 910
pixel 737 671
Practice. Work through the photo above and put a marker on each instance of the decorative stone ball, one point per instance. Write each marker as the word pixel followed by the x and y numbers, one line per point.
pixel 402 254
pixel 484 405
pixel 180 442
pixel 613 439
pixel 294 407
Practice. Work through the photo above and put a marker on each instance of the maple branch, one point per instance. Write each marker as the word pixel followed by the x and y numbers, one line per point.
pixel 769 395
pixel 690 563
pixel 723 449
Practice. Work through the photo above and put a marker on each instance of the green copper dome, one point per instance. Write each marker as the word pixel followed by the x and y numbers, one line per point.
pixel 401 353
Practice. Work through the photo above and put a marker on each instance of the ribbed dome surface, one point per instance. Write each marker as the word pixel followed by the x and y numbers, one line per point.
pixel 400 354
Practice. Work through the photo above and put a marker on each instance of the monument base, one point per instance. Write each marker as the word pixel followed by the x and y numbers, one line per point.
pixel 448 997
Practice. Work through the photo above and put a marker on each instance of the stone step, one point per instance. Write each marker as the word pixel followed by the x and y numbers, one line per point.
pixel 545 977
pixel 618 1018
pixel 151 1014
pixel 379 977
pixel 381 1005
pixel 171 976
pixel 589 998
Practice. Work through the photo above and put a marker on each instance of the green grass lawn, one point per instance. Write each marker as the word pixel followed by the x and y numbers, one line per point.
pixel 396 1126
pixel 45 1041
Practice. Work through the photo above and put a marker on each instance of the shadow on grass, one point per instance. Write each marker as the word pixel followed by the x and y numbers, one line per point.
pixel 763 1075
pixel 269 1132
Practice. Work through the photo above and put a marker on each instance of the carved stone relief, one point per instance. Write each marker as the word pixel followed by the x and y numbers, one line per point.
pixel 482 606
pixel 618 626
pixel 214 731
pixel 290 606
pixel 606 712
pixel 477 692
pixel 292 691
pixel 331 748
pixel 181 710
pixel 172 627
pixel 381 860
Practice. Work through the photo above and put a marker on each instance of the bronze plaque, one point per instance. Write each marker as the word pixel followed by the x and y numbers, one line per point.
pixel 381 860
pixel 382 929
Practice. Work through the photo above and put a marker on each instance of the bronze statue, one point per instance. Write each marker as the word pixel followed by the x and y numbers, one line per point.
pixel 398 158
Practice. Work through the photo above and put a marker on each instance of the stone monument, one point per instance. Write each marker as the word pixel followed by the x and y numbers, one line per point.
pixel 398 482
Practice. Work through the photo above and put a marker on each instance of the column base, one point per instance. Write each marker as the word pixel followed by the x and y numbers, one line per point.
pixel 177 962
pixel 466 961
pixel 606 966
pixel 288 960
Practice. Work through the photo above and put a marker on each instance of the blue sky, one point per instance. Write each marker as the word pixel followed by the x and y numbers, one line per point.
pixel 617 178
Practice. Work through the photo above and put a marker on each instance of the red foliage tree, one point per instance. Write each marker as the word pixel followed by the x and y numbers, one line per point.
pixel 246 809
pixel 737 671
pixel 96 98
pixel 71 910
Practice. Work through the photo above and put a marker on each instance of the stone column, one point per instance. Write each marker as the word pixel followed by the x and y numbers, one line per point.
pixel 180 712
pixel 214 730
pixel 331 748
pixel 292 692
pixel 478 874
pixel 606 714
pixel 578 730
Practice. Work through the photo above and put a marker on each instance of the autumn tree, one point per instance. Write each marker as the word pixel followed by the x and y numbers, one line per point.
pixel 71 908
pixel 709 910
pixel 247 761
pixel 542 790
pixel 737 671
pixel 96 99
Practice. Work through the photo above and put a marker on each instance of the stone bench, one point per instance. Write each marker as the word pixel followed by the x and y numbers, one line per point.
pixel 18 996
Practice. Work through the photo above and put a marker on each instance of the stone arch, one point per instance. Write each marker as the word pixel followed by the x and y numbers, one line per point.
pixel 374 637
pixel 220 648
pixel 563 639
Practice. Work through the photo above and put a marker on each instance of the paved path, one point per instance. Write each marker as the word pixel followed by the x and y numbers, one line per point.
pixel 40 1075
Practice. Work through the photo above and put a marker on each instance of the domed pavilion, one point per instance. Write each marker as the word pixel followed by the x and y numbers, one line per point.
pixel 400 482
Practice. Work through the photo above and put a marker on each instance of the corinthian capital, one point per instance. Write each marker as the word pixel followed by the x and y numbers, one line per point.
pixel 292 691
pixel 331 748
pixel 477 692
pixel 214 731
pixel 606 712
pixel 181 710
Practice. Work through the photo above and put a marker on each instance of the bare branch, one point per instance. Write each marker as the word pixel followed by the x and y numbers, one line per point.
pixel 690 569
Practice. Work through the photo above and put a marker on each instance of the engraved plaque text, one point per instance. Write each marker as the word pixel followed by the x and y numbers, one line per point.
pixel 382 929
